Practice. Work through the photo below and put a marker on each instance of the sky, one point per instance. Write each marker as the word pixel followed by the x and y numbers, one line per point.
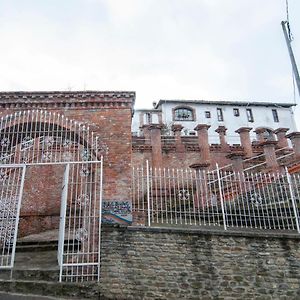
pixel 161 49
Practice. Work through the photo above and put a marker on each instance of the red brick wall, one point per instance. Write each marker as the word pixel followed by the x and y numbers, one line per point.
pixel 109 116
pixel 173 159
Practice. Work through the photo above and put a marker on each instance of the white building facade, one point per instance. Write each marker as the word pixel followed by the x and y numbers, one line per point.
pixel 232 115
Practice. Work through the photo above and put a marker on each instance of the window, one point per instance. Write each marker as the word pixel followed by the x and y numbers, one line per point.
pixel 220 114
pixel 249 115
pixel 275 115
pixel 183 114
pixel 207 115
pixel 148 118
pixel 236 112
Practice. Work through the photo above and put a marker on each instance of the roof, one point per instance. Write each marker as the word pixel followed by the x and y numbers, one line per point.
pixel 147 110
pixel 234 103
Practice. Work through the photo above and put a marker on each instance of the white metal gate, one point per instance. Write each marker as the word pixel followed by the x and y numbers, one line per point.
pixel 11 189
pixel 40 137
pixel 80 224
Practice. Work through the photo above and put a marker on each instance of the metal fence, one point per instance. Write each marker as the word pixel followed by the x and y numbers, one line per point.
pixel 176 197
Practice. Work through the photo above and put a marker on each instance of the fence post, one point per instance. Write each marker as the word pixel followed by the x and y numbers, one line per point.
pixel 221 196
pixel 148 192
pixel 292 198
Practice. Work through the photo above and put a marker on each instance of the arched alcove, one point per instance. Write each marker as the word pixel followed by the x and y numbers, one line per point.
pixel 50 177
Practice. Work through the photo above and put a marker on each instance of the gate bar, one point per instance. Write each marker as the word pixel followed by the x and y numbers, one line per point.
pixel 100 217
pixel 17 217
pixel 62 225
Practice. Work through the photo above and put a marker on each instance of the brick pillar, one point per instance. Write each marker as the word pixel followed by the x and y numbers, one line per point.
pixel 221 130
pixel 270 154
pixel 176 128
pixel 201 184
pixel 281 137
pixel 260 133
pixel 295 139
pixel 244 133
pixel 146 133
pixel 155 136
pixel 202 130
pixel 237 161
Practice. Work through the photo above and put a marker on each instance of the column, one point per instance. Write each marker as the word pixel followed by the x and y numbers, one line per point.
pixel 281 137
pixel 201 184
pixel 221 130
pixel 295 139
pixel 260 133
pixel 202 130
pixel 146 133
pixel 244 133
pixel 155 137
pixel 270 154
pixel 176 128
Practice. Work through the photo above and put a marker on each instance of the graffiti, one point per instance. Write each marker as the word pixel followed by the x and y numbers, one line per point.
pixel 117 212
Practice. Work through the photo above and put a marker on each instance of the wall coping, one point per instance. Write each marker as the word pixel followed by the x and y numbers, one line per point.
pixel 67 99
pixel 208 232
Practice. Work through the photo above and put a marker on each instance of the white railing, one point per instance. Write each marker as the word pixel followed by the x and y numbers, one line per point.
pixel 175 197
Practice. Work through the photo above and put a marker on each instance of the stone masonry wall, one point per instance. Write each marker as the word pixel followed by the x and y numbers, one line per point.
pixel 143 263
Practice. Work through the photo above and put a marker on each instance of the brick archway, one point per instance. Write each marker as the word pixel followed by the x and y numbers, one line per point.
pixel 40 138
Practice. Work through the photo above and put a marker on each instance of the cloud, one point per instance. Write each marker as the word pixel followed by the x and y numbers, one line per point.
pixel 161 48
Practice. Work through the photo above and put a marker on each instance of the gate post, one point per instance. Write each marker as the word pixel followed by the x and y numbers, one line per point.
pixel 62 225
pixel 221 196
pixel 292 198
pixel 100 214
pixel 148 192
pixel 18 216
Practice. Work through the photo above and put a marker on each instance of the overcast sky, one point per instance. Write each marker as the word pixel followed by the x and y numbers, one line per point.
pixel 162 49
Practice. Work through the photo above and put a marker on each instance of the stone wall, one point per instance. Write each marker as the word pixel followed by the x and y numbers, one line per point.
pixel 143 263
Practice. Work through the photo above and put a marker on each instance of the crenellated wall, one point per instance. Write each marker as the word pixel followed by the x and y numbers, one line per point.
pixel 177 151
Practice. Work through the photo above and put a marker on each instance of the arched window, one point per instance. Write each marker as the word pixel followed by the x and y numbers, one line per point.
pixel 183 114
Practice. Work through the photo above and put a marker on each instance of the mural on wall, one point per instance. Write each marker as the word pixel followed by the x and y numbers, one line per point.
pixel 117 212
